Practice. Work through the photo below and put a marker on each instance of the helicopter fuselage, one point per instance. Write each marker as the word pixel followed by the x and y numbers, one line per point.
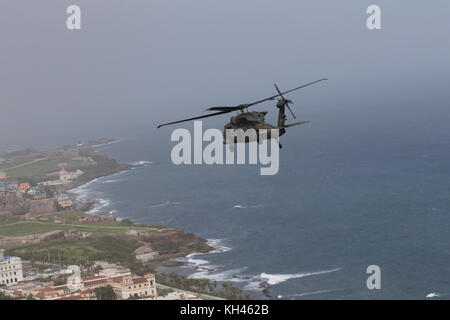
pixel 247 121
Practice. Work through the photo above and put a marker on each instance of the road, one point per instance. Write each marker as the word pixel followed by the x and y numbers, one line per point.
pixel 24 164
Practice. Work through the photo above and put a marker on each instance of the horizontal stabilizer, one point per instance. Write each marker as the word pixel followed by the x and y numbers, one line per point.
pixel 294 124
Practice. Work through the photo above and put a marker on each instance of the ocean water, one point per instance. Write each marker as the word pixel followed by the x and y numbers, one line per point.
pixel 340 202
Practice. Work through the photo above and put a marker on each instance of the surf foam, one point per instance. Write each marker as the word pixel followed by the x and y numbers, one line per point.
pixel 139 163
pixel 274 279
pixel 238 206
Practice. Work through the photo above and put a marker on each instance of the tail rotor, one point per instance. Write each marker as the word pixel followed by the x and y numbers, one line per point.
pixel 286 102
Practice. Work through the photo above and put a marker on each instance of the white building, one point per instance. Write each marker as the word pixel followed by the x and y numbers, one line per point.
pixel 65 177
pixel 52 183
pixel 74 281
pixel 68 176
pixel 10 270
pixel 145 253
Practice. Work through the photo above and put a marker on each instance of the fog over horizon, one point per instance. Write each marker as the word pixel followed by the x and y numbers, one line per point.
pixel 135 64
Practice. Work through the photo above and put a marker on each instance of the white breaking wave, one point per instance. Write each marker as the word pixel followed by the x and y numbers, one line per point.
pixel 274 279
pixel 218 246
pixel 112 181
pixel 82 193
pixel 206 270
pixel 201 265
pixel 190 259
pixel 255 285
pixel 232 275
pixel 160 205
pixel 100 204
pixel 433 295
pixel 238 206
pixel 164 204
pixel 309 293
pixel 139 163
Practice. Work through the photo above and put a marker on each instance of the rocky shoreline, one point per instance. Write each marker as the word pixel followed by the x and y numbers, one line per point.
pixel 79 234
pixel 170 242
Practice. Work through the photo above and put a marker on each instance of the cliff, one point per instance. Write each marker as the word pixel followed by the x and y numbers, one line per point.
pixel 32 238
pixel 13 204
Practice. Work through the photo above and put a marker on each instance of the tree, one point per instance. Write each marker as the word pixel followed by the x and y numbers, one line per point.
pixel 134 297
pixel 98 268
pixel 60 281
pixel 126 223
pixel 105 293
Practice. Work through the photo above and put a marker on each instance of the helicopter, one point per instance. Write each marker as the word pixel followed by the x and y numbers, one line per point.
pixel 246 120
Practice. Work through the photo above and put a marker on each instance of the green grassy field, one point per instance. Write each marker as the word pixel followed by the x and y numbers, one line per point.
pixel 14 227
pixel 103 242
pixel 22 228
pixel 8 164
pixel 79 251
pixel 39 166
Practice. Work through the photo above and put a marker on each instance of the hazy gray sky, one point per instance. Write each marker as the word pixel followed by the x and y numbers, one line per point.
pixel 138 63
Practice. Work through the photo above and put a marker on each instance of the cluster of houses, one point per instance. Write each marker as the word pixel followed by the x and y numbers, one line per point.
pixel 38 192
pixel 124 283
pixel 12 187
pixel 65 177
pixel 24 188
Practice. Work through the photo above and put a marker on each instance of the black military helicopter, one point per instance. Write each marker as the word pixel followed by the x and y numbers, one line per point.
pixel 253 120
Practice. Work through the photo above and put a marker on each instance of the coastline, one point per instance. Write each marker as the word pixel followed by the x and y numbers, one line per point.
pixel 176 249
pixel 188 259
pixel 85 237
pixel 194 260
pixel 93 206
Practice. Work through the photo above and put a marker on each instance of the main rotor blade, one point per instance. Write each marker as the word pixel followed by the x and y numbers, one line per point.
pixel 285 101
pixel 277 95
pixel 229 109
pixel 195 118
pixel 224 110
pixel 245 106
